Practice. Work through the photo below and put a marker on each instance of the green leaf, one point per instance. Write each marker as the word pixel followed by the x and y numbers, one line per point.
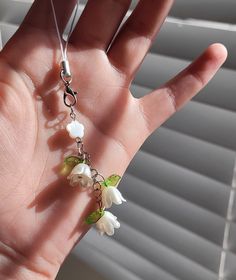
pixel 72 160
pixel 94 216
pixel 69 163
pixel 112 180
pixel 104 184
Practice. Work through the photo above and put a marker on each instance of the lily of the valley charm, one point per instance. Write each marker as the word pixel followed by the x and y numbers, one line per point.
pixel 78 170
pixel 107 223
pixel 110 193
pixel 81 174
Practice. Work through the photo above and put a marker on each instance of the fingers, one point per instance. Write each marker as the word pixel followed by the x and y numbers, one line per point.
pixel 136 35
pixel 160 104
pixel 99 23
pixel 41 16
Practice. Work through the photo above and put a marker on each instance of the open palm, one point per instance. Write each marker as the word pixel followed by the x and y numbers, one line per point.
pixel 41 217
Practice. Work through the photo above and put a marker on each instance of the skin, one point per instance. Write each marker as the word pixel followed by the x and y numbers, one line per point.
pixel 41 216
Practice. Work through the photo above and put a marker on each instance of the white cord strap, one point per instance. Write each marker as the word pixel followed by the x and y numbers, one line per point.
pixel 65 63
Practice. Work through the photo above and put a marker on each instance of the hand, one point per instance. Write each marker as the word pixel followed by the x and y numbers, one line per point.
pixel 41 216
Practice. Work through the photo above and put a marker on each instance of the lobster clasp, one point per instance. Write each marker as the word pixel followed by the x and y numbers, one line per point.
pixel 70 98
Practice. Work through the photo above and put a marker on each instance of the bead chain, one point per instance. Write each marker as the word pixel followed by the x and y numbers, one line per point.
pixel 83 155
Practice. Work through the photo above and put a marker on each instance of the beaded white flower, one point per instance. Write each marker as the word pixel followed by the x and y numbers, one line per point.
pixel 81 175
pixel 107 223
pixel 107 193
pixel 75 129
pixel 111 195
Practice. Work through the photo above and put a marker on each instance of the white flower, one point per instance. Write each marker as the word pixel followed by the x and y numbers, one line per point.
pixel 107 223
pixel 111 194
pixel 75 129
pixel 81 174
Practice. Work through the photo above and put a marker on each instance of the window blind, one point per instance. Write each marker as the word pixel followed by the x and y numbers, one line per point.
pixel 179 221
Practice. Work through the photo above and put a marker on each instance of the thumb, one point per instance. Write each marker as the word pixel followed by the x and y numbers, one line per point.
pixel 161 103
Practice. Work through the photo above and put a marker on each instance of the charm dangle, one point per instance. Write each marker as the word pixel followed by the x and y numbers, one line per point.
pixel 77 168
pixel 79 172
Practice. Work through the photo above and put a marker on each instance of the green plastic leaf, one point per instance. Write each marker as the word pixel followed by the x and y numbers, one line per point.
pixel 72 160
pixel 94 216
pixel 111 180
pixel 104 184
pixel 69 163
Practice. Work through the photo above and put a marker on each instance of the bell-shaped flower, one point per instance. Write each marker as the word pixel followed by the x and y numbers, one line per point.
pixel 107 223
pixel 81 175
pixel 111 195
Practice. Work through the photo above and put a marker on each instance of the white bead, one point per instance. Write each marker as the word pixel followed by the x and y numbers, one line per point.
pixel 75 129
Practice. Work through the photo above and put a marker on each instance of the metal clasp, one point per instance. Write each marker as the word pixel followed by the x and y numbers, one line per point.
pixel 72 94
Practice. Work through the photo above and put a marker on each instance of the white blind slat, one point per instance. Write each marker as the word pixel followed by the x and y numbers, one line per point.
pixel 190 38
pixel 7 30
pixel 190 245
pixel 14 11
pixel 88 253
pixel 133 262
pixel 230 268
pixel 198 220
pixel 214 10
pixel 192 153
pixel 181 182
pixel 0 40
pixel 164 257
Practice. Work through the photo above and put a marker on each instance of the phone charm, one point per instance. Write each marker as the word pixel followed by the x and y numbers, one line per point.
pixel 78 167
